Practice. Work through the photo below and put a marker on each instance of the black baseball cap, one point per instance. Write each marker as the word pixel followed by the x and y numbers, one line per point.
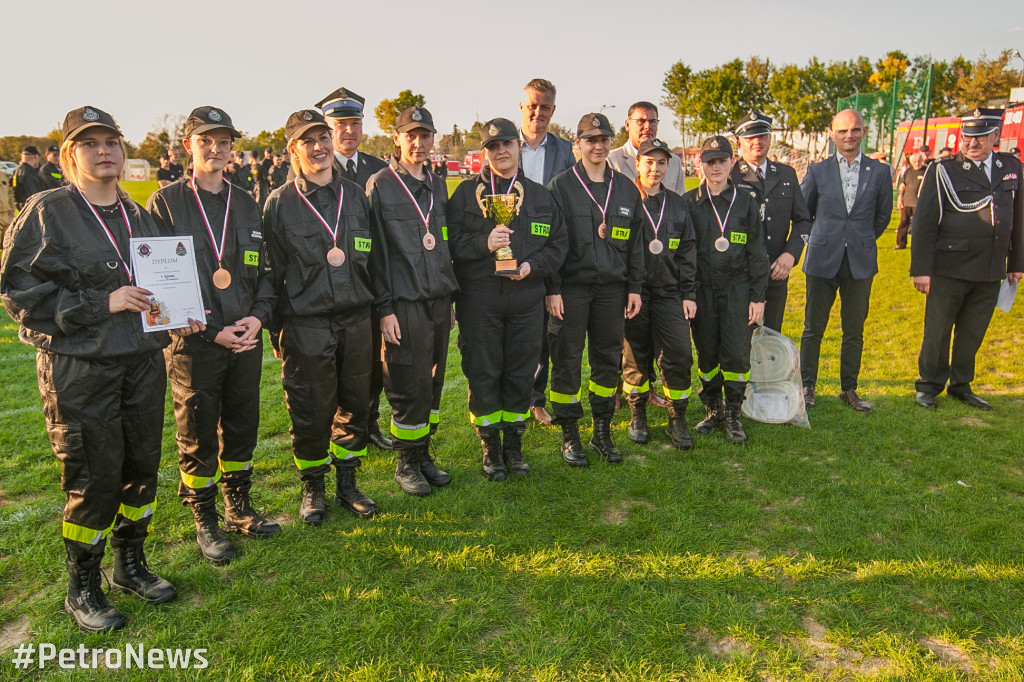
pixel 594 125
pixel 204 119
pixel 342 103
pixel 301 121
pixel 498 129
pixel 83 118
pixel 980 121
pixel 648 147
pixel 753 124
pixel 30 149
pixel 412 118
pixel 715 147
pixel 52 148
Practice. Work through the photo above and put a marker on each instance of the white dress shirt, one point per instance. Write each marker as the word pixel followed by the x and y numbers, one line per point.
pixel 533 160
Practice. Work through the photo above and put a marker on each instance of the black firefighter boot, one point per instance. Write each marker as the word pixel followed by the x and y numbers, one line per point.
pixel 715 412
pixel 493 460
pixel 239 514
pixel 313 508
pixel 347 494
pixel 428 468
pixel 86 601
pixel 512 449
pixel 638 419
pixel 132 574
pixel 572 446
pixel 408 474
pixel 677 431
pixel 214 545
pixel 734 432
pixel 601 440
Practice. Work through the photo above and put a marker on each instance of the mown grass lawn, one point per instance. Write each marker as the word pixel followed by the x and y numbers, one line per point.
pixel 885 546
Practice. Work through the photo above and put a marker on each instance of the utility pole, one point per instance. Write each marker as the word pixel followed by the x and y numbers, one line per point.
pixel 928 104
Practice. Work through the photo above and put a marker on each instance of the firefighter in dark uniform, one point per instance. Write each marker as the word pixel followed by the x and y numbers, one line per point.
pixel 50 173
pixel 278 175
pixel 601 278
pixel 414 297
pixel 968 235
pixel 323 244
pixel 66 279
pixel 661 331
pixel 215 376
pixel 244 177
pixel 732 274
pixel 261 182
pixel 501 318
pixel 782 208
pixel 26 180
pixel 343 110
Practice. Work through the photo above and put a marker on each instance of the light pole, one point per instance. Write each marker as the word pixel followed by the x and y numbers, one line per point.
pixel 1020 81
pixel 612 106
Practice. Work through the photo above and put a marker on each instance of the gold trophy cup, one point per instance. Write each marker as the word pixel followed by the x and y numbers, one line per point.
pixel 502 208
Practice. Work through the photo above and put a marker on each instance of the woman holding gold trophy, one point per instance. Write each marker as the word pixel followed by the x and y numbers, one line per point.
pixel 507 236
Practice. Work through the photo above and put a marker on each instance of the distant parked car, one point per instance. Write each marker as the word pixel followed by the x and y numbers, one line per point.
pixel 8 167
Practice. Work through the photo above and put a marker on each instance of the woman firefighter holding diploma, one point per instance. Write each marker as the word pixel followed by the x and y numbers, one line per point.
pixel 67 279
pixel 661 330
pixel 501 317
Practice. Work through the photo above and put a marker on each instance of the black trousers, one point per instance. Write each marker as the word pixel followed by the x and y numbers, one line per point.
pixel 325 370
pixel 105 419
pixel 216 397
pixel 500 326
pixel 903 229
pixel 414 369
pixel 775 303
pixel 722 337
pixel 376 377
pixel 593 316
pixel 540 377
pixel 659 332
pixel 961 309
pixel 854 295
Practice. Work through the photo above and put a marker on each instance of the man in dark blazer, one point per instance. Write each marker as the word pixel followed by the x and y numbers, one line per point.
pixel 849 197
pixel 783 209
pixel 968 235
pixel 542 157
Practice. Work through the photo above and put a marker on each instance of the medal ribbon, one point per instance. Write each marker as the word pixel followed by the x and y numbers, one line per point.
pixel 660 217
pixel 721 223
pixel 430 209
pixel 337 217
pixel 110 235
pixel 218 251
pixel 511 185
pixel 611 184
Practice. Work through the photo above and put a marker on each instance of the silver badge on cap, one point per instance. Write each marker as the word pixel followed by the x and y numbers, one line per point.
pixel 714 144
pixel 90 114
pixel 753 116
pixel 215 115
pixel 493 130
pixel 416 115
pixel 307 116
pixel 977 113
pixel 656 143
pixel 596 122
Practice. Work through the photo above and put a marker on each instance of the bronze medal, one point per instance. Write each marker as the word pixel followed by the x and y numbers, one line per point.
pixel 336 257
pixel 602 231
pixel 221 278
pixel 429 242
pixel 722 244
pixel 656 247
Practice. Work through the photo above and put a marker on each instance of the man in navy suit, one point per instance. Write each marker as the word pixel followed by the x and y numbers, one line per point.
pixel 849 197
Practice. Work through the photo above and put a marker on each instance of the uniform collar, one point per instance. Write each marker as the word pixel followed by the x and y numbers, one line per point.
pixel 309 188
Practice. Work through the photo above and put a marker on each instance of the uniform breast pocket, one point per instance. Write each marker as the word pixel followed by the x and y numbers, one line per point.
pixel 581 232
pixel 537 226
pixel 98 270
pixel 305 244
pixel 359 239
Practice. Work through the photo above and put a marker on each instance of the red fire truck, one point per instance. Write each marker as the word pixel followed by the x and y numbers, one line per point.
pixel 945 132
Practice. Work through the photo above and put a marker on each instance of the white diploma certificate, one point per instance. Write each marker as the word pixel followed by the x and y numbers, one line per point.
pixel 166 266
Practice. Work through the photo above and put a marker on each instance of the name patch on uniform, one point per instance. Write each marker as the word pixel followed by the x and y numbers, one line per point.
pixel 256 234
pixel 673 244
pixel 363 244
pixel 625 211
pixel 251 258
pixel 738 238
pixel 540 229
pixel 620 233
pixel 444 232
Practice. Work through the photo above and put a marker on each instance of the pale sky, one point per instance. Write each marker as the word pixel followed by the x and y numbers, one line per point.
pixel 262 60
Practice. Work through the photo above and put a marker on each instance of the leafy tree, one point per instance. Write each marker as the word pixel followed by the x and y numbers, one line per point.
pixel 564 132
pixel 377 145
pixel 676 86
pixel 988 79
pixel 718 96
pixel 887 69
pixel 388 110
pixel 620 138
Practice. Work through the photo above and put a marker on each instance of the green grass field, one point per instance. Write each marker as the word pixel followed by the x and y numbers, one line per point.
pixel 884 546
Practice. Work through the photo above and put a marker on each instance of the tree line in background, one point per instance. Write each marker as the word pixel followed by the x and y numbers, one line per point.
pixel 801 99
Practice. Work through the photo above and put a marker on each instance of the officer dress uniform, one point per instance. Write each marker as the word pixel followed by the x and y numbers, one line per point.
pixel 783 212
pixel 660 331
pixel 728 281
pixel 216 391
pixel 101 378
pixel 968 233
pixel 417 289
pixel 343 103
pixel 594 282
pixel 26 182
pixel 323 311
pixel 501 320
